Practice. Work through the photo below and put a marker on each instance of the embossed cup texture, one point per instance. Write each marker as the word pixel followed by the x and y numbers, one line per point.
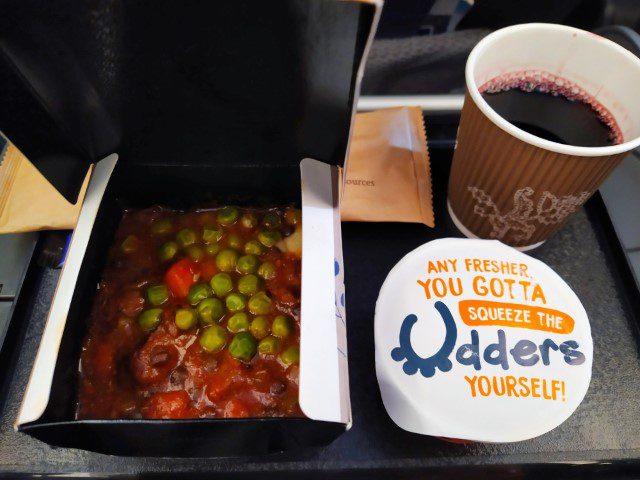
pixel 506 189
pixel 510 185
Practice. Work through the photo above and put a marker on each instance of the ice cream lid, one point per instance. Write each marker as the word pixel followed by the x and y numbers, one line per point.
pixel 478 341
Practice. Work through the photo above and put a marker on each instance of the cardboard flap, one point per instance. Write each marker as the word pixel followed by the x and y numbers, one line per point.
pixel 36 396
pixel 188 82
pixel 324 384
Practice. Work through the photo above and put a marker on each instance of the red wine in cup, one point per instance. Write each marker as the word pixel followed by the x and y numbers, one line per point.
pixel 553 109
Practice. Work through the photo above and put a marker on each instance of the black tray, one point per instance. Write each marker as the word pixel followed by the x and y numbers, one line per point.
pixel 601 438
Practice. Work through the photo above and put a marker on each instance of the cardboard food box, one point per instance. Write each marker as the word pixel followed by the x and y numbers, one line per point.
pixel 250 105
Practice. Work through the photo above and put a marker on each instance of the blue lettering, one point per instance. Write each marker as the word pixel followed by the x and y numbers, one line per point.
pixel 469 353
pixel 524 352
pixel 544 350
pixel 524 349
pixel 571 355
pixel 500 349
pixel 415 362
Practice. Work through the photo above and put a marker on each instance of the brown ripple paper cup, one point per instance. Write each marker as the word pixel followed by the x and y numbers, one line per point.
pixel 510 185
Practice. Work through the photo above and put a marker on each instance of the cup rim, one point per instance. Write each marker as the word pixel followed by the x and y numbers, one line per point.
pixel 491 114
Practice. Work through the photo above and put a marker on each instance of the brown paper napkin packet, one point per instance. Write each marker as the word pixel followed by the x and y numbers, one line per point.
pixel 28 202
pixel 388 177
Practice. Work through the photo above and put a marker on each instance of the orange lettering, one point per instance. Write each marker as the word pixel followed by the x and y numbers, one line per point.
pixel 535 387
pixel 439 287
pixel 555 388
pixel 498 391
pixel 511 386
pixel 544 390
pixel 510 282
pixel 425 285
pixel 524 391
pixel 472 384
pixel 477 288
pixel 497 289
pixel 503 314
pixel 484 386
pixel 467 264
pixel 442 266
pixel 538 293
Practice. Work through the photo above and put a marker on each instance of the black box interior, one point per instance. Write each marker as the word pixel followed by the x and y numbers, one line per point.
pixel 203 102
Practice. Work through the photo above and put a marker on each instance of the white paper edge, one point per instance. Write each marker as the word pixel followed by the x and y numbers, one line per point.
pixel 324 391
pixel 38 389
pixel 340 308
pixel 324 387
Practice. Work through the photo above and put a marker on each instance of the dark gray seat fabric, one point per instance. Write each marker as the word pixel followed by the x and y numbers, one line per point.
pixel 420 64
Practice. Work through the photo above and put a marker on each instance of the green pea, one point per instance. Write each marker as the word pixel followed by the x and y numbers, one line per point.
pixel 213 338
pixel 247 264
pixel 198 292
pixel 186 318
pixel 282 326
pixel 260 304
pixel 259 327
pixel 238 322
pixel 212 249
pixel 210 311
pixel 211 234
pixel 186 237
pixel 249 284
pixel 267 270
pixel 150 319
pixel 157 294
pixel 271 220
pixel 130 244
pixel 293 216
pixel 195 253
pixel 226 260
pixel 221 284
pixel 162 226
pixel 290 355
pixel 269 345
pixel 235 302
pixel 269 238
pixel 243 346
pixel 228 215
pixel 235 241
pixel 249 220
pixel 167 251
pixel 253 247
